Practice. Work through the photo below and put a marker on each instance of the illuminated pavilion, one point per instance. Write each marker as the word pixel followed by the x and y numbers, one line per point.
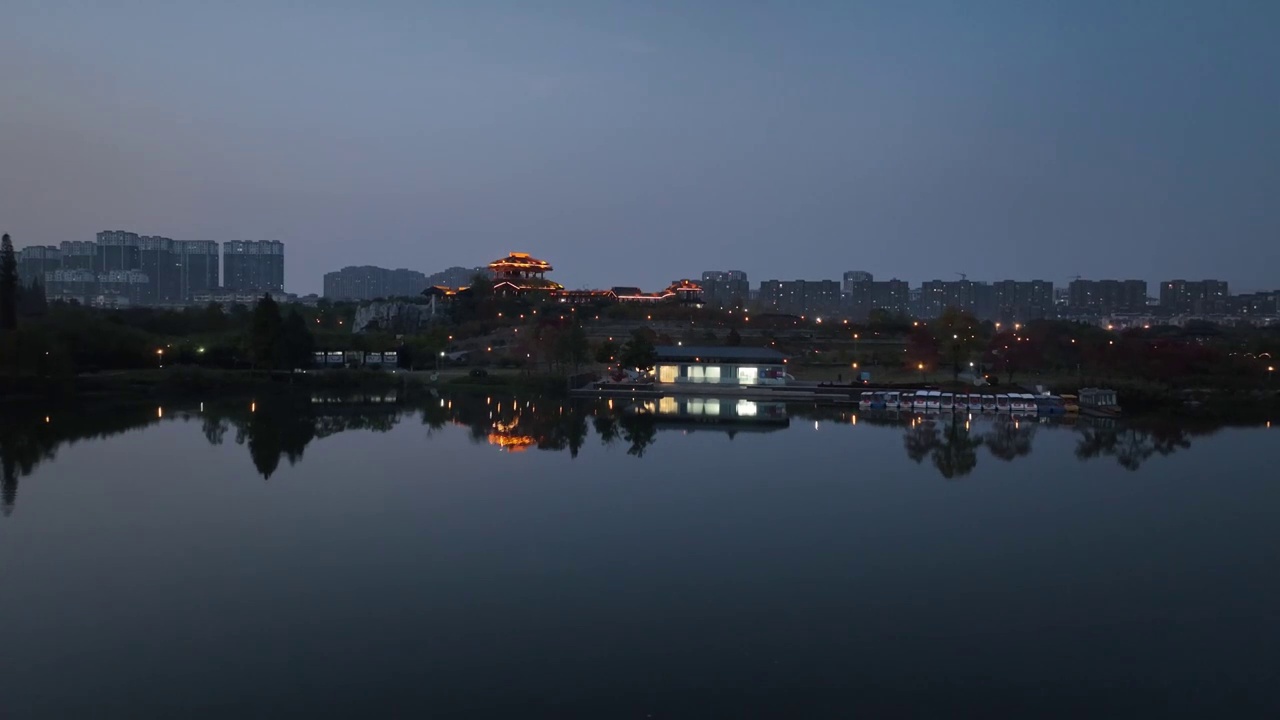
pixel 519 273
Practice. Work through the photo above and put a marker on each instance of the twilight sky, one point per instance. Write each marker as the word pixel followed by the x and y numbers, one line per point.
pixel 635 142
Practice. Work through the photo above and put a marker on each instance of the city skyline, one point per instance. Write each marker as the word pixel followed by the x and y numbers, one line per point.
pixel 998 140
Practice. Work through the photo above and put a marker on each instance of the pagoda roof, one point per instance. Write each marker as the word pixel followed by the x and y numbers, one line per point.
pixel 518 261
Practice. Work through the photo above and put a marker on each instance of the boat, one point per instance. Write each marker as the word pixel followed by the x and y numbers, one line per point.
pixel 948 402
pixel 934 400
pixel 1049 405
pixel 866 401
pixel 921 400
pixel 1002 403
pixel 975 402
pixel 1070 404
pixel 989 403
pixel 1099 402
pixel 892 398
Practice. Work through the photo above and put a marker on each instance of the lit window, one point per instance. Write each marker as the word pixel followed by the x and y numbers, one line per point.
pixel 748 375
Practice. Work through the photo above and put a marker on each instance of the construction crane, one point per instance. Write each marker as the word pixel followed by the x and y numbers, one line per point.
pixel 963 276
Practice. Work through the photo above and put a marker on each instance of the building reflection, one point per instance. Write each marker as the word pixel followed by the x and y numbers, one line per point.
pixel 278 429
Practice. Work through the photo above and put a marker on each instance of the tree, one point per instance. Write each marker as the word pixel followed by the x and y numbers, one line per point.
pixel 8 285
pixel 264 332
pixel 607 352
pixel 571 347
pixel 956 333
pixel 294 343
pixel 639 352
pixel 734 339
pixel 31 300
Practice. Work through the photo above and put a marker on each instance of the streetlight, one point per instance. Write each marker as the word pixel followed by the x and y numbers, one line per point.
pixel 160 357
pixel 921 367
pixel 1271 369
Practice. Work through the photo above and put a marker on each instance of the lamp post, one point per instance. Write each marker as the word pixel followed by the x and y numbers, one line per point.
pixel 160 357
pixel 1271 371
pixel 921 368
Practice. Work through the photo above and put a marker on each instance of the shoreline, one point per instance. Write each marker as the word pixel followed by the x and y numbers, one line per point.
pixel 191 381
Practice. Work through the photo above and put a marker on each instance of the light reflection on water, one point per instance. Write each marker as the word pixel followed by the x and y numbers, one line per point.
pixel 617 558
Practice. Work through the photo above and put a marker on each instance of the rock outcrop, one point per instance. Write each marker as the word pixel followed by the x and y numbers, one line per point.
pixel 400 318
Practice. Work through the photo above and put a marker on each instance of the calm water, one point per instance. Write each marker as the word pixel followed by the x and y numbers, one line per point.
pixel 494 558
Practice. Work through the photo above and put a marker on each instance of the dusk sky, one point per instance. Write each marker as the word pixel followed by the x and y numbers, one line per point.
pixel 637 142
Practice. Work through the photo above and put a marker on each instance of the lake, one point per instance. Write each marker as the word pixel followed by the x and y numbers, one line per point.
pixel 500 557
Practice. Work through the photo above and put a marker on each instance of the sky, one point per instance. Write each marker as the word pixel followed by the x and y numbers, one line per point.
pixel 633 142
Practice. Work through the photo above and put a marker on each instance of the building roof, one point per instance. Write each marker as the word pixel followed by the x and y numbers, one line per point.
pixel 715 353
pixel 520 262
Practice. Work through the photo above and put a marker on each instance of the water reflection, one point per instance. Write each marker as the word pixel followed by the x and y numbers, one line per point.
pixel 279 428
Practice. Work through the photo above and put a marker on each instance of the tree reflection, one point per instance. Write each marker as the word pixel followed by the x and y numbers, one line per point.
pixel 280 427
pixel 639 431
pixel 956 455
pixel 1131 445
pixel 920 439
pixel 1009 438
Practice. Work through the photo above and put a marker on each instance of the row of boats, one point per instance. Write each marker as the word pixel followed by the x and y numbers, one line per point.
pixel 926 400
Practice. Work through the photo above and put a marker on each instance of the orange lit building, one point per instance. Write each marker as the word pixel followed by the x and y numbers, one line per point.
pixel 519 273
pixel 685 291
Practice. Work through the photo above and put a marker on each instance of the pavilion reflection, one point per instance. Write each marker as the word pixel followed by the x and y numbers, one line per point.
pixel 279 428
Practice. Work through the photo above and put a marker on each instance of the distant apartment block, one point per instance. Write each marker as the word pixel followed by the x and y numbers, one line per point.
pixel 866 296
pixel 36 260
pixel 1020 301
pixel 1105 297
pixel 367 282
pixel 799 297
pixel 80 255
pixel 197 263
pixel 1256 305
pixel 726 288
pixel 854 276
pixel 1194 297
pixel 976 298
pixel 253 265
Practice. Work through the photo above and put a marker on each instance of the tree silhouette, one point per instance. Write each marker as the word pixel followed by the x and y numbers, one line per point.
pixel 956 455
pixel 919 440
pixel 1008 440
pixel 264 333
pixel 8 285
pixel 640 430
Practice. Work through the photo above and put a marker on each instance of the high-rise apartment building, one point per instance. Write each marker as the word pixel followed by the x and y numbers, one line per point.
pixel 367 282
pixel 1019 301
pixel 118 250
pixel 976 298
pixel 79 255
pixel 866 296
pixel 253 265
pixel 1105 297
pixel 800 297
pixel 854 276
pixel 1200 297
pixel 36 260
pixel 726 288
pixel 197 267
pixel 158 261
